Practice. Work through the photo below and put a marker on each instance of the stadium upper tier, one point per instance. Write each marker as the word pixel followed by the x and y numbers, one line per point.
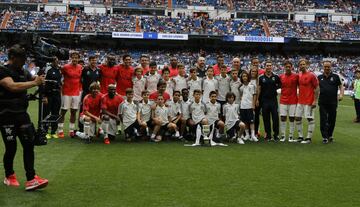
pixel 248 5
pixel 43 21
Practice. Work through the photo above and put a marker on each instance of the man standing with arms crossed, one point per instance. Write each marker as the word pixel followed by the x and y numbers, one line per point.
pixel 308 94
pixel 329 84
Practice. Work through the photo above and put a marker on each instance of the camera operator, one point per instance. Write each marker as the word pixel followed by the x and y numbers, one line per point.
pixel 14 120
pixel 52 96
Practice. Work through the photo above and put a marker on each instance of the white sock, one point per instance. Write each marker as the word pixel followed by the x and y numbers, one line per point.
pixel 153 136
pixel 87 128
pixel 291 129
pixel 311 128
pixel 299 128
pixel 247 132
pixel 198 134
pixel 283 128
pixel 253 133
pixel 71 127
pixel 105 127
pixel 60 127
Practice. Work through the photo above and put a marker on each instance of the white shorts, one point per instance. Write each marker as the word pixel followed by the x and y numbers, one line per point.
pixel 111 129
pixel 306 110
pixel 70 102
pixel 287 110
pixel 92 125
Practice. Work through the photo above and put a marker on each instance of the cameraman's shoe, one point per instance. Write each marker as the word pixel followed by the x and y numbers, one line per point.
pixel 61 135
pixel 36 183
pixel 11 181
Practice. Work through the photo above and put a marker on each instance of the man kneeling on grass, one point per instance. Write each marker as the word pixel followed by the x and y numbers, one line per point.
pixel 109 109
pixel 90 115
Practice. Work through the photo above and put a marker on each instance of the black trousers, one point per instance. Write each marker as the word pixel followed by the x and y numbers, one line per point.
pixel 269 109
pixel 10 127
pixel 357 108
pixel 327 119
pixel 53 107
pixel 257 119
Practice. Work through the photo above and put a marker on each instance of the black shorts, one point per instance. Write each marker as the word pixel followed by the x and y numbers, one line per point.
pixel 150 124
pixel 247 116
pixel 164 127
pixel 233 130
pixel 130 130
pixel 216 123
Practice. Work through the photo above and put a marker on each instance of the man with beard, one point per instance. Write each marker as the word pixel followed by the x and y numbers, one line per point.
pixel 109 109
pixel 220 63
pixel 108 72
pixel 173 67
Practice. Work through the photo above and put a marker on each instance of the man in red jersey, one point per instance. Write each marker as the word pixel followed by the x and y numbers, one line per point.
pixel 308 95
pixel 108 72
pixel 161 87
pixel 71 93
pixel 109 109
pixel 124 76
pixel 173 67
pixel 288 100
pixel 144 62
pixel 256 62
pixel 90 115
pixel 220 63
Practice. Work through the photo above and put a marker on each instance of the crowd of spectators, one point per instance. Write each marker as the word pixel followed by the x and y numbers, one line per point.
pixel 349 6
pixel 39 21
pixel 315 30
pixel 320 29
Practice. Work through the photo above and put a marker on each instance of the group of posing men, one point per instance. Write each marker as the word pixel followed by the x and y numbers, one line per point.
pixel 151 102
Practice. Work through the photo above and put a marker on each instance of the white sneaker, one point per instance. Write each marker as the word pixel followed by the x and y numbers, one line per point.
pixel 136 132
pixel 177 134
pixel 291 139
pixel 247 137
pixel 282 139
pixel 81 135
pixel 306 141
pixel 254 139
pixel 240 141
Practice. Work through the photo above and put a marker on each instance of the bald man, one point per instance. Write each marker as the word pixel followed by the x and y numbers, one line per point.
pixel 201 67
pixel 236 65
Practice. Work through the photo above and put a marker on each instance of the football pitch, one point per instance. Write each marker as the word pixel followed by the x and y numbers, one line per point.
pixel 169 174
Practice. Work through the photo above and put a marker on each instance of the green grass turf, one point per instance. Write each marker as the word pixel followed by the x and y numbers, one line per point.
pixel 169 174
